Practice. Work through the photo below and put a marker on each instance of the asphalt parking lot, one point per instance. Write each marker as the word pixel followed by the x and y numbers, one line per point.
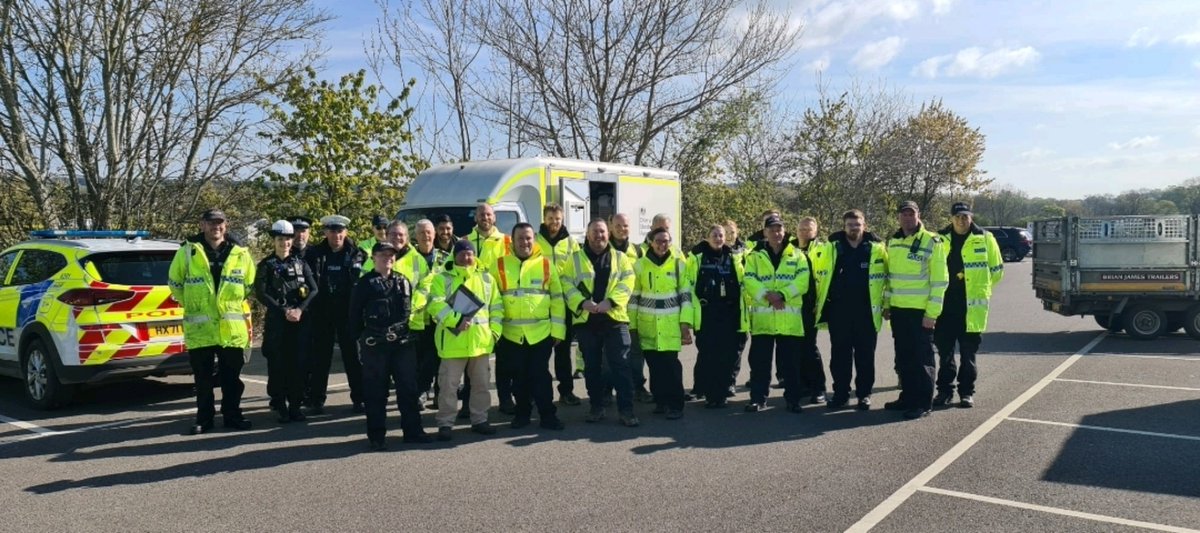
pixel 1074 430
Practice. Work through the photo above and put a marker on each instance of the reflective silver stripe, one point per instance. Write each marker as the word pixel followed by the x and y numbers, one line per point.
pixel 526 321
pixel 234 316
pixel 908 277
pixel 195 319
pixel 977 303
pixel 559 321
pixel 773 310
pixel 910 292
pixel 663 312
pixel 525 292
pixel 445 312
pixel 939 284
pixel 935 300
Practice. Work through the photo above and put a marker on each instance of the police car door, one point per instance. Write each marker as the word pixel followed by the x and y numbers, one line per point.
pixel 10 298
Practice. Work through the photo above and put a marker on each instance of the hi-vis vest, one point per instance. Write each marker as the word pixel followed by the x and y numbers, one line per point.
pixel 917 276
pixel 213 317
pixel 790 279
pixel 489 248
pixel 418 272
pixel 534 307
pixel 825 262
pixel 661 302
pixel 578 272
pixel 983 267
pixel 480 337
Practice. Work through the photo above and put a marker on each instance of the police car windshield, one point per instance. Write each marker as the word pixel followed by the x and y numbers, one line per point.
pixel 463 217
pixel 131 268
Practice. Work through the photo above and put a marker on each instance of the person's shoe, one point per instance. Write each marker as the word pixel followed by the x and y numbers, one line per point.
pixel 630 420
pixel 419 438
pixel 716 404
pixel 283 416
pixel 674 414
pixel 377 445
pixel 297 415
pixel 519 422
pixel 942 399
pixel 838 401
pixel 754 407
pixel 641 395
pixel 895 405
pixel 569 398
pixel 595 416
pixel 200 429
pixel 864 403
pixel 316 409
pixel 731 392
pixel 445 433
pixel 795 408
pixel 966 402
pixel 777 385
pixel 240 424
pixel 483 428
pixel 817 398
pixel 464 413
pixel 913 414
pixel 659 409
pixel 552 423
pixel 358 408
pixel 508 409
pixel 577 375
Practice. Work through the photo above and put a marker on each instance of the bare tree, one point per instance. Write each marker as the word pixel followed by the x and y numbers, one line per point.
pixel 121 112
pixel 607 80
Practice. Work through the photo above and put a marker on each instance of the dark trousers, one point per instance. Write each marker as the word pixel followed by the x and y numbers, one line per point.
pixel 952 330
pixel 205 362
pixel 283 347
pixel 563 364
pixel 532 384
pixel 666 378
pixel 637 361
pixel 398 362
pixel 852 339
pixel 742 340
pixel 506 374
pixel 327 329
pixel 809 366
pixel 427 360
pixel 784 350
pixel 717 354
pixel 914 358
pixel 605 364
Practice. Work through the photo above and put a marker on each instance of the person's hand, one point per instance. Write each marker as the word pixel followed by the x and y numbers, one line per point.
pixel 685 334
pixel 776 300
pixel 556 341
pixel 887 313
pixel 604 307
pixel 292 315
pixel 589 306
pixel 928 323
pixel 463 325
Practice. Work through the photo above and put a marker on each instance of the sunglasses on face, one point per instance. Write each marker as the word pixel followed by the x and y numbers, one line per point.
pixel 381 227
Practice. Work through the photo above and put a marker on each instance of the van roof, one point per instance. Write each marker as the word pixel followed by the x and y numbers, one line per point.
pixel 479 180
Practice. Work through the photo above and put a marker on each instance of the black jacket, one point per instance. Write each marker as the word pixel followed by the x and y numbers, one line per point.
pixel 336 287
pixel 282 284
pixel 380 305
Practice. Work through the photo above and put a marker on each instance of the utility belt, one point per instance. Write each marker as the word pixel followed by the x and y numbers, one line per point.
pixel 389 335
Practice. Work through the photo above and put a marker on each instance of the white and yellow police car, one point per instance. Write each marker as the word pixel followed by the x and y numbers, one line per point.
pixel 85 307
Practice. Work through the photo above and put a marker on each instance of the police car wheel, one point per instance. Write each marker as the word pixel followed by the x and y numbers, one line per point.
pixel 1145 322
pixel 42 386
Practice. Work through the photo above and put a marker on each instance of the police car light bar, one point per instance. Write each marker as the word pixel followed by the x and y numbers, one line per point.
pixel 89 234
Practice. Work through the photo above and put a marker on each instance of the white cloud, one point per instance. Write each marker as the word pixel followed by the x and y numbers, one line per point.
pixel 1142 38
pixel 941 7
pixel 1136 142
pixel 828 22
pixel 974 62
pixel 820 64
pixel 1197 131
pixel 1035 153
pixel 1189 39
pixel 877 54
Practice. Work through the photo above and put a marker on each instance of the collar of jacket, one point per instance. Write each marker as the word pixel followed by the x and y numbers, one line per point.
pixel 702 247
pixel 199 239
pixel 841 236
pixel 950 229
pixel 900 232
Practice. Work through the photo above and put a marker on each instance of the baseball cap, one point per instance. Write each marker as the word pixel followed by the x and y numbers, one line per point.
pixel 961 208
pixel 772 220
pixel 213 214
pixel 908 204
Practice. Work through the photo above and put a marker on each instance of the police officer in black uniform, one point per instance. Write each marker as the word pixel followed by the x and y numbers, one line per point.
pixel 285 285
pixel 337 264
pixel 380 308
pixel 718 291
pixel 300 247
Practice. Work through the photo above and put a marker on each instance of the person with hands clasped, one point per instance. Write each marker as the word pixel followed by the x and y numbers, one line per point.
pixel 285 286
pixel 661 311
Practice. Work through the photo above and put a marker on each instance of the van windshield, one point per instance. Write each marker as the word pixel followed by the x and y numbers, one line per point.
pixel 462 216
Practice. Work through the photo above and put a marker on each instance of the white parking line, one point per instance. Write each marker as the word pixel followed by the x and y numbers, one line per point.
pixel 905 492
pixel 1058 511
pixel 1133 356
pixel 1105 428
pixel 26 426
pixel 1142 385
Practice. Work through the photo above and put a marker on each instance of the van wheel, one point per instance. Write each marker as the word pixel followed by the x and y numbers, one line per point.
pixel 1009 255
pixel 42 387
pixel 1113 324
pixel 1191 322
pixel 1145 322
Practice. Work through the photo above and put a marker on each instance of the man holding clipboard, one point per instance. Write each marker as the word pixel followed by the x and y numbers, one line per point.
pixel 466 306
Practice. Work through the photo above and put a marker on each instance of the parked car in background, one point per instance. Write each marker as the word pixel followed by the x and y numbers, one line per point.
pixel 1015 243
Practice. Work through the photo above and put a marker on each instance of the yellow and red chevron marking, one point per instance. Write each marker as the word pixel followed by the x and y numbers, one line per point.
pixel 101 343
pixel 120 330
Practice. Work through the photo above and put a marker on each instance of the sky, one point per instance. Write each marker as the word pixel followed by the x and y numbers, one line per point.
pixel 1075 97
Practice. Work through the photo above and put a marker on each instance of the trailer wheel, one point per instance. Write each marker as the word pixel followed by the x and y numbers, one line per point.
pixel 1191 322
pixel 1145 322
pixel 1113 326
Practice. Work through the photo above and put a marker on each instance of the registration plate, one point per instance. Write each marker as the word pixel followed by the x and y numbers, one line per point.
pixel 165 329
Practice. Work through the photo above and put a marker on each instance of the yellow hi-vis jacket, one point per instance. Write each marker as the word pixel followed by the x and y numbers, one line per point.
pixel 825 262
pixel 917 276
pixel 983 268
pixel 490 247
pixel 560 252
pixel 790 279
pixel 480 337
pixel 534 307
pixel 413 266
pixel 578 272
pixel 661 302
pixel 212 316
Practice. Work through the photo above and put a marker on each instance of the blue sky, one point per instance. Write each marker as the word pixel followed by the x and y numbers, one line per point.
pixel 1076 97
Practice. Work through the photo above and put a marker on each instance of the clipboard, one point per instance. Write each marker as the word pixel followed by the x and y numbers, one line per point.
pixel 465 303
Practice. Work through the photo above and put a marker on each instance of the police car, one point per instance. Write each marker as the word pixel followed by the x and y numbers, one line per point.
pixel 85 307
